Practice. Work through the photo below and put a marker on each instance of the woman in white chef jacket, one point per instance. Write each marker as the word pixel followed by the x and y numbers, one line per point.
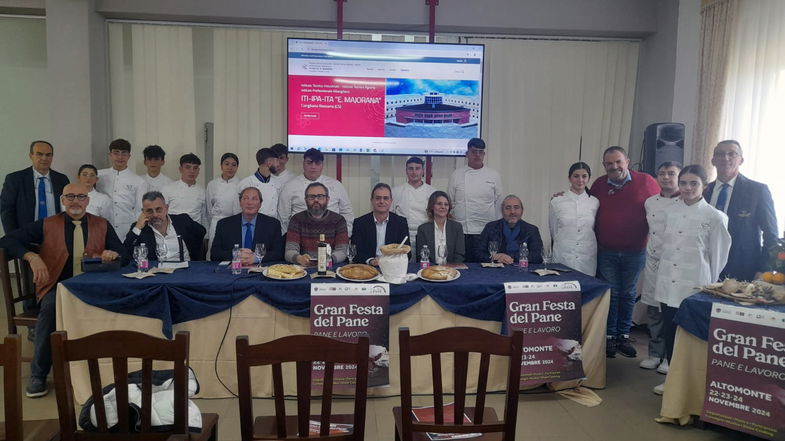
pixel 222 194
pixel 695 248
pixel 571 221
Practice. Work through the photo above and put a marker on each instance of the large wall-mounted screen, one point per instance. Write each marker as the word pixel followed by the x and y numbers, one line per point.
pixel 383 98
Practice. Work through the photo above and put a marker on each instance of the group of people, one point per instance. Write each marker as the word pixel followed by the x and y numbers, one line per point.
pixel 625 220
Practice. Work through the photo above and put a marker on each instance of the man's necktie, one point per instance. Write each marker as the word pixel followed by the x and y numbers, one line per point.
pixel 78 251
pixel 248 240
pixel 41 197
pixel 722 198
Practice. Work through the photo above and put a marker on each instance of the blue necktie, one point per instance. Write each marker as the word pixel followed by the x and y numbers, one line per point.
pixel 248 241
pixel 722 198
pixel 42 197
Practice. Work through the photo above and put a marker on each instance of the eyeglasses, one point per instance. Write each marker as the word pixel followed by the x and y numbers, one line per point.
pixel 729 155
pixel 312 197
pixel 70 197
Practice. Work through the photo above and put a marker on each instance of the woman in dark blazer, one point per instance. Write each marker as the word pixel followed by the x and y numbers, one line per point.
pixel 439 208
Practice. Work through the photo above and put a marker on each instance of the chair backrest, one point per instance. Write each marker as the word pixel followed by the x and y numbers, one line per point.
pixel 119 346
pixel 11 360
pixel 460 341
pixel 302 350
pixel 24 288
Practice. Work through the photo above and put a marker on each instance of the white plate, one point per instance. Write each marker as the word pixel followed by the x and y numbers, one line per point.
pixel 338 272
pixel 277 278
pixel 419 274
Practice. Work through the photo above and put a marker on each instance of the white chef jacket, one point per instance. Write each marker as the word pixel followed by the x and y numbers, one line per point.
pixel 125 188
pixel 188 199
pixel 292 200
pixel 476 197
pixel 571 222
pixel 156 183
pixel 285 176
pixel 656 209
pixel 223 200
pixel 100 205
pixel 271 192
pixel 695 249
pixel 412 203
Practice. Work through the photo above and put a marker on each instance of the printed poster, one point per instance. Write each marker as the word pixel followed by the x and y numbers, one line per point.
pixel 549 314
pixel 346 311
pixel 745 371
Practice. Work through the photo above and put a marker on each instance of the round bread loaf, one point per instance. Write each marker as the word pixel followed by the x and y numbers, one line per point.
pixel 394 248
pixel 439 272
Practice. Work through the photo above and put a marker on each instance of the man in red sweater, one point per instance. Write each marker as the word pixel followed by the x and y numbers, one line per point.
pixel 622 230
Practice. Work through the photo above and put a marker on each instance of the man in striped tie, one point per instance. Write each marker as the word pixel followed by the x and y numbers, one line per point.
pixel 752 221
pixel 65 239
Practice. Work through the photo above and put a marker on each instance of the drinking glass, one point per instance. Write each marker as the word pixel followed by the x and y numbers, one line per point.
pixel 161 250
pixel 259 251
pixel 493 248
pixel 351 252
pixel 139 255
pixel 547 256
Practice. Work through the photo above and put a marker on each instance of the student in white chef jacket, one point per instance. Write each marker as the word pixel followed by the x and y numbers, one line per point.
pixel 657 207
pixel 154 161
pixel 477 192
pixel 186 196
pixel 100 204
pixel 696 246
pixel 283 173
pixel 265 180
pixel 410 200
pixel 123 186
pixel 292 199
pixel 571 222
pixel 222 192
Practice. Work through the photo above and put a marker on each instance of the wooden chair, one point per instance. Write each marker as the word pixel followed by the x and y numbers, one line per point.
pixel 24 291
pixel 461 341
pixel 14 428
pixel 302 350
pixel 120 346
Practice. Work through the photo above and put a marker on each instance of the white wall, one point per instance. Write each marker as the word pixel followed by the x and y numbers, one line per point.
pixel 24 97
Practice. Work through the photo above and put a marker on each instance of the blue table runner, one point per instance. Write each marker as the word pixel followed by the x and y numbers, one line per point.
pixel 205 289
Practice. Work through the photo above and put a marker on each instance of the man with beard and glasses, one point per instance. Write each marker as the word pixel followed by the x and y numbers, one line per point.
pixel 622 232
pixel 168 237
pixel 72 233
pixel 302 236
pixel 265 180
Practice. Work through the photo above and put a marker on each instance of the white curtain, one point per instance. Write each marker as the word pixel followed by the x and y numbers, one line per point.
pixel 549 104
pixel 152 85
pixel 754 106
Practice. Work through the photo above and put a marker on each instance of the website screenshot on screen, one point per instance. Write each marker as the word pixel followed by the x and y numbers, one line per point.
pixel 362 97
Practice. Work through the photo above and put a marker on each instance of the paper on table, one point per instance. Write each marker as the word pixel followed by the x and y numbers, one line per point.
pixel 161 270
pixel 256 269
pixel 546 272
pixel 138 275
pixel 492 265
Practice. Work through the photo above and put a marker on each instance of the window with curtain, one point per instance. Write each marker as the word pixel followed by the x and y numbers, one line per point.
pixel 754 104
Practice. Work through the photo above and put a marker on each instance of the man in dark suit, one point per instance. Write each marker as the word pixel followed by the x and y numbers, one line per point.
pixel 248 228
pixel 752 222
pixel 32 193
pixel 74 232
pixel 509 232
pixel 174 237
pixel 379 227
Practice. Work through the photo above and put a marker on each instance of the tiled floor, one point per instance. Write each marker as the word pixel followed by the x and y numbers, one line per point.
pixel 626 413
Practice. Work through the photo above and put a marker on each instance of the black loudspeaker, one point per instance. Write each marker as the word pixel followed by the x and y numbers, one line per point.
pixel 662 142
